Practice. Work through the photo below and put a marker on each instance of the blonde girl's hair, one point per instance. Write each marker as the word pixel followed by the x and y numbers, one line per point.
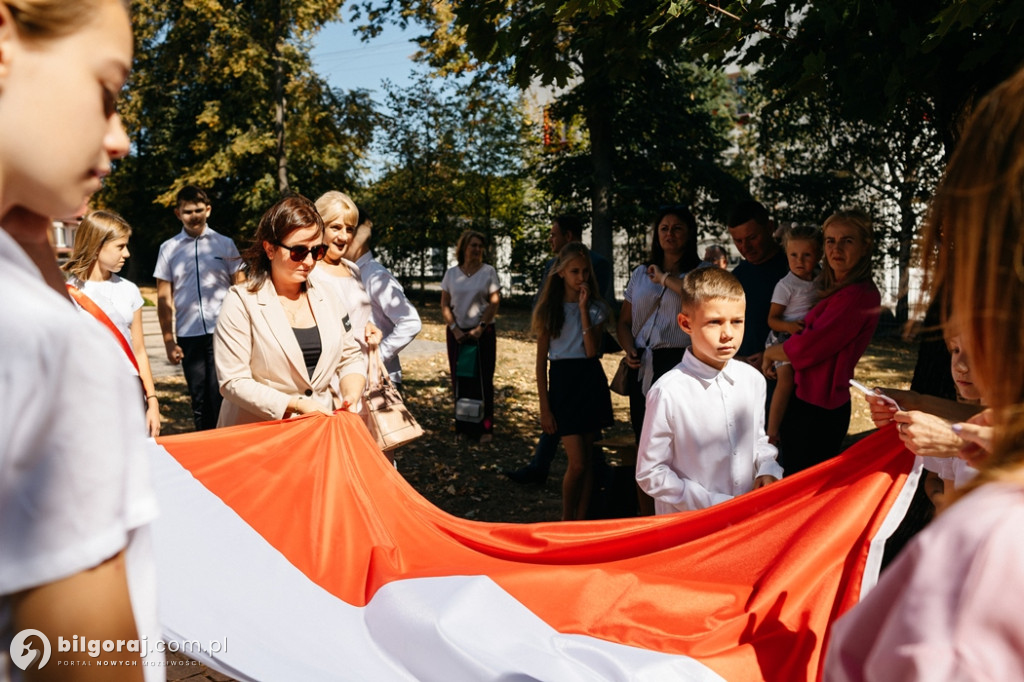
pixel 335 207
pixel 93 233
pixel 973 254
pixel 463 244
pixel 41 19
pixel 549 314
pixel 861 272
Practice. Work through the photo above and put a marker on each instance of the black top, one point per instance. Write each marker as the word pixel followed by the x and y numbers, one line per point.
pixel 309 342
pixel 759 284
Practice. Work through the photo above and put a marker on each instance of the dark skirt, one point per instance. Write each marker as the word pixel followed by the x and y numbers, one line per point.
pixel 811 434
pixel 579 396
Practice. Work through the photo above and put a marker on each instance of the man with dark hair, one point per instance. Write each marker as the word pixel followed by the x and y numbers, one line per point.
pixel 194 270
pixel 564 229
pixel 764 264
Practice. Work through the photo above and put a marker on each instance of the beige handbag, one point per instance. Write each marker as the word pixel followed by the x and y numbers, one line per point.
pixel 390 420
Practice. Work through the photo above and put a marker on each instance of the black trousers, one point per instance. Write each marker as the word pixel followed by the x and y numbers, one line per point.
pixel 201 377
pixel 480 386
pixel 811 434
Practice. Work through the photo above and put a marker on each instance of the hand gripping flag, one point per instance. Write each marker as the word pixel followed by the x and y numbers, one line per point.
pixel 301 554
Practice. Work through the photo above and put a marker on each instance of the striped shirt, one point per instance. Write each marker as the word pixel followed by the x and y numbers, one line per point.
pixel 654 323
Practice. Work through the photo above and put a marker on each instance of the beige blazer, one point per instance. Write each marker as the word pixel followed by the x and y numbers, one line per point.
pixel 259 363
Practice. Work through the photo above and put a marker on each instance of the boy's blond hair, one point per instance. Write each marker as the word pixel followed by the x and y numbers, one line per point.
pixel 707 284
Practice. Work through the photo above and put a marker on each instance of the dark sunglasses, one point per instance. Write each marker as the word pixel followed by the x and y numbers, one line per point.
pixel 299 253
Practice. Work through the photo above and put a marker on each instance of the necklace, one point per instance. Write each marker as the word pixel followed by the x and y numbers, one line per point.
pixel 293 309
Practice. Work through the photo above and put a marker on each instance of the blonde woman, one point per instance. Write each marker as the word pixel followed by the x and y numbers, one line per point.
pixel 945 609
pixel 340 275
pixel 101 248
pixel 824 354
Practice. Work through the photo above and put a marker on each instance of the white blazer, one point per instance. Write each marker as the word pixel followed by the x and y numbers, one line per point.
pixel 259 363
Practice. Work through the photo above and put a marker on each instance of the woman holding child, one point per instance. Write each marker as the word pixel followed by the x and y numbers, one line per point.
pixel 646 329
pixel 824 354
pixel 944 609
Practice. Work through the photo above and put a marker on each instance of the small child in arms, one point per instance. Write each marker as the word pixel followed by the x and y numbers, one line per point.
pixel 703 440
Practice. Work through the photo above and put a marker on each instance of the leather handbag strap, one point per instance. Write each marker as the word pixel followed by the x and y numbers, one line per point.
pixel 89 306
pixel 374 379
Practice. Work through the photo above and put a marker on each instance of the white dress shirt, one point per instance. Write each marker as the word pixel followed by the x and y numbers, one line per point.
pixel 391 311
pixel 703 440
pixel 200 271
pixel 951 469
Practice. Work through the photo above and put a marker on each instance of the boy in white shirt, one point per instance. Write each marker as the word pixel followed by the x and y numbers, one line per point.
pixel 703 439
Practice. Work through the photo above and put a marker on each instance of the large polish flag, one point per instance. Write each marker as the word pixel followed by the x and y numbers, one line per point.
pixel 292 551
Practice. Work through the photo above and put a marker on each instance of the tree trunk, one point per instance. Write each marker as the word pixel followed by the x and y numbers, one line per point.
pixel 598 121
pixel 908 232
pixel 279 104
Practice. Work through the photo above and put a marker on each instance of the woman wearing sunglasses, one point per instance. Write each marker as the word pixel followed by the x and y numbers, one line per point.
pixel 280 339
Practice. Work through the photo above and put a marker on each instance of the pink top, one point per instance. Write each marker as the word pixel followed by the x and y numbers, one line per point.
pixel 949 607
pixel 836 333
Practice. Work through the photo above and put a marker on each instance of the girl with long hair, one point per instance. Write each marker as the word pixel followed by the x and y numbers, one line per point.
pixel 943 610
pixel 100 250
pixel 575 401
pixel 75 497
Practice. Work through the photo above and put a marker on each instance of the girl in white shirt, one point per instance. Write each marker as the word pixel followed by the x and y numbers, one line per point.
pixel 576 404
pixel 101 248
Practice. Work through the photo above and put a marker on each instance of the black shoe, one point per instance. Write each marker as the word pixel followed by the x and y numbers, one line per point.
pixel 527 475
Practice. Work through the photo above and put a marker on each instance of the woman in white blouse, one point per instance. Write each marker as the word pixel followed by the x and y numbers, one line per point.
pixel 340 275
pixel 470 294
pixel 647 328
pixel 283 346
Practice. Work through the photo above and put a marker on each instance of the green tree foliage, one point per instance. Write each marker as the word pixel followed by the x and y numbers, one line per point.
pixel 810 162
pixel 601 48
pixel 223 95
pixel 671 126
pixel 451 161
pixel 867 60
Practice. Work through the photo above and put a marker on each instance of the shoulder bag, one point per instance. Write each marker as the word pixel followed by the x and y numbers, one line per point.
pixel 393 424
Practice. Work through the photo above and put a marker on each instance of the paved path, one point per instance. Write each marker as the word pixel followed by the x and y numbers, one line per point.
pixel 162 368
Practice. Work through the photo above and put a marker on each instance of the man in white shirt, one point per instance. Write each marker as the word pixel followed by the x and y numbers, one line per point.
pixel 391 311
pixel 703 440
pixel 194 271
